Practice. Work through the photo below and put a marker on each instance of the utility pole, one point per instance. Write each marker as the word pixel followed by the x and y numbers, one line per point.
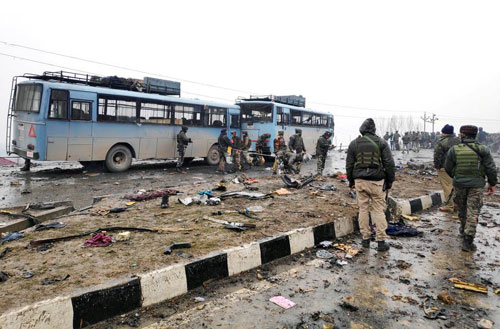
pixel 431 119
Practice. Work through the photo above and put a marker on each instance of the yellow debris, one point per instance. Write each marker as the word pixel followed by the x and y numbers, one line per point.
pixel 348 249
pixel 459 284
pixel 412 218
pixel 497 291
pixel 130 203
pixel 282 191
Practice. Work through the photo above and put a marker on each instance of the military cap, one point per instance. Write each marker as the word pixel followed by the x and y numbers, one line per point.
pixel 468 130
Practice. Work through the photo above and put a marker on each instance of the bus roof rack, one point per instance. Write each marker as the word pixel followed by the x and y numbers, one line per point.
pixel 294 100
pixel 148 85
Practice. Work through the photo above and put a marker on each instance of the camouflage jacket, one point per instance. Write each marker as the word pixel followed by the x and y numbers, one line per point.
pixel 442 147
pixel 323 145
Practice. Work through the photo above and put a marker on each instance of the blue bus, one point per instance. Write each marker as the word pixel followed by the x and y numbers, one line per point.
pixel 62 116
pixel 270 114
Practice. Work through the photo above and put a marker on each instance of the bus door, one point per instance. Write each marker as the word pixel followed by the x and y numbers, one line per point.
pixel 82 108
pixel 57 125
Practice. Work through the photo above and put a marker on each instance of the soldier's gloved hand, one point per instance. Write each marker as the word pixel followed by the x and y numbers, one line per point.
pixel 491 190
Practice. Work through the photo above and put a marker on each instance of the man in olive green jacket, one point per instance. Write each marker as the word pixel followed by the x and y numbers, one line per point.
pixel 468 163
pixel 446 141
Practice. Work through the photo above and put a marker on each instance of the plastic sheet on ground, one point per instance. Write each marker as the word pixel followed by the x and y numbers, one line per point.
pixel 243 194
pixel 12 237
pixel 282 301
pixel 142 196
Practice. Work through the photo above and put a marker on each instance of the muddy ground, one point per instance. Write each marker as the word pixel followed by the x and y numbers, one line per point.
pixel 144 251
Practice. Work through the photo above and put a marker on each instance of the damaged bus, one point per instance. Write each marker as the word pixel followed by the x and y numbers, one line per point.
pixel 63 116
pixel 270 114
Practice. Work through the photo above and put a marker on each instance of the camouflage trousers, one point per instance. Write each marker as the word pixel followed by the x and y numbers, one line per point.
pixel 237 159
pixel 469 202
pixel 180 160
pixel 321 163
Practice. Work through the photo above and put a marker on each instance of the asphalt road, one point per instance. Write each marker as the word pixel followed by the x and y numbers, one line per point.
pixel 374 290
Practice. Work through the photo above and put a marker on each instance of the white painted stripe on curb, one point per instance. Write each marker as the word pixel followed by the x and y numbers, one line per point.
pixel 49 314
pixel 426 201
pixel 160 285
pixel 301 239
pixel 405 207
pixel 243 258
pixel 343 227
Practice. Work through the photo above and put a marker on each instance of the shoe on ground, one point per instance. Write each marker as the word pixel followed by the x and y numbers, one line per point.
pixel 468 243
pixel 366 243
pixel 382 246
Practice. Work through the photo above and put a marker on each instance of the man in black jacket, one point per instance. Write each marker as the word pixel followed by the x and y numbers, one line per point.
pixel 323 145
pixel 370 169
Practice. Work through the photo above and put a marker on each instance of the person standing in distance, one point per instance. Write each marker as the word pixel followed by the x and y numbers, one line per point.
pixel 279 144
pixel 323 145
pixel 296 145
pixel 445 143
pixel 370 170
pixel 246 144
pixel 468 163
pixel 182 143
pixel 224 143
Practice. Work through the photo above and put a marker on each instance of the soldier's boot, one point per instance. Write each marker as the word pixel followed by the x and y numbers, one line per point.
pixel 468 243
pixel 365 243
pixel 382 246
pixel 26 166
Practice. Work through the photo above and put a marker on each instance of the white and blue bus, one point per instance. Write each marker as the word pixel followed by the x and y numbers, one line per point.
pixel 270 114
pixel 70 117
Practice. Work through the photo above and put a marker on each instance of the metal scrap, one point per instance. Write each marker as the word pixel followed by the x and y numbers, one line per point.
pixel 459 284
pixel 177 245
pixel 248 195
pixel 295 183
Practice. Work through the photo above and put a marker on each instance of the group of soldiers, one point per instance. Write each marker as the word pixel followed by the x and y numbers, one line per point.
pixel 462 163
pixel 237 149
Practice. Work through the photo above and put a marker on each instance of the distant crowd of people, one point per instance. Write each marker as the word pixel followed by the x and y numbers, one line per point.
pixel 417 140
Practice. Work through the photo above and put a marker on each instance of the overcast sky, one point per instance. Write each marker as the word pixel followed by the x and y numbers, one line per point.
pixel 442 57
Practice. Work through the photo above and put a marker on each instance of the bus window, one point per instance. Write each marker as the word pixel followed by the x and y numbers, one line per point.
pixel 307 118
pixel 58 104
pixel 216 117
pixel 155 113
pixel 117 110
pixel 235 121
pixel 256 113
pixel 28 98
pixel 189 115
pixel 80 110
pixel 296 117
pixel 282 118
pixel 330 122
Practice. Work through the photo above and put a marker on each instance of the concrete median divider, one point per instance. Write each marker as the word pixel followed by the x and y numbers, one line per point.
pixel 122 296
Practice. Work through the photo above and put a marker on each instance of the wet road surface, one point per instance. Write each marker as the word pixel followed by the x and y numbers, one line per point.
pixel 374 290
pixel 57 181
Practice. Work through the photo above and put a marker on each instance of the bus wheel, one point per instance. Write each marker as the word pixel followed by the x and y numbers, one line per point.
pixel 118 159
pixel 213 156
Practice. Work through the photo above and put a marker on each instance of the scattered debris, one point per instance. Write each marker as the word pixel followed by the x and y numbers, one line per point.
pixel 143 195
pixel 12 237
pixel 43 227
pixel 186 201
pixel 4 252
pixel 235 226
pixel 214 201
pixel 295 183
pixel 282 301
pixel 485 324
pixel 326 244
pixel 98 240
pixel 248 195
pixel 28 275
pixel 39 206
pixel 123 236
pixel 282 191
pixel 445 298
pixel 459 284
pixel 348 304
pixel 48 281
pixel 117 210
pixel 433 312
pixel 4 276
pixel 348 249
pixel 401 264
pixel 324 254
pixel 402 231
pixel 412 218
pixel 177 245
pixel 164 202
pixel 352 194
pixel 328 187
pixel 199 299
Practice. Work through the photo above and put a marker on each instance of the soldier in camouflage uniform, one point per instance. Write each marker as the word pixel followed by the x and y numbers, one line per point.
pixel 447 140
pixel 246 143
pixel 323 145
pixel 236 150
pixel 279 144
pixel 468 163
pixel 182 143
pixel 296 145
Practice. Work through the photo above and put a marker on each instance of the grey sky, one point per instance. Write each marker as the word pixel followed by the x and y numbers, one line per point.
pixel 434 56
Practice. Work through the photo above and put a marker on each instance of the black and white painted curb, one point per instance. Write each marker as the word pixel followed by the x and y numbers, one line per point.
pixel 411 206
pixel 118 297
